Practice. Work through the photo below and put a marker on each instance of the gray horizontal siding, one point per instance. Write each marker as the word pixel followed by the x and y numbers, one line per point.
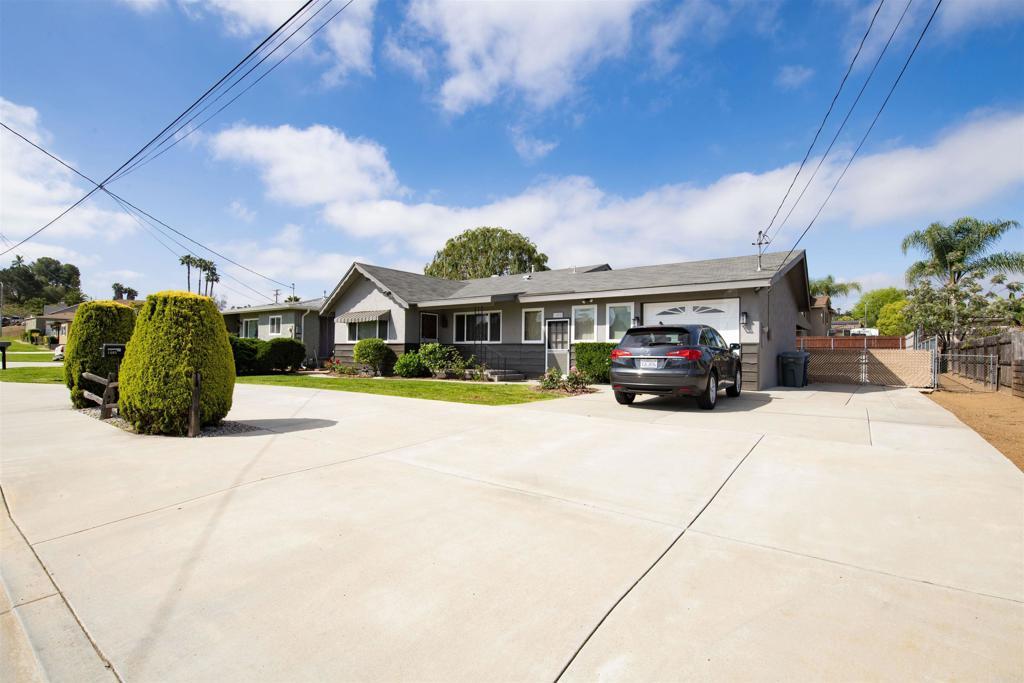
pixel 343 352
pixel 749 360
pixel 525 358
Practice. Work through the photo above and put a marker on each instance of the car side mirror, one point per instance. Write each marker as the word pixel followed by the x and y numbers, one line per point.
pixel 736 349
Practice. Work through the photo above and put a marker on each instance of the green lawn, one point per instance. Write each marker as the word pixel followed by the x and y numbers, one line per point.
pixel 17 345
pixel 54 375
pixel 454 391
pixel 30 357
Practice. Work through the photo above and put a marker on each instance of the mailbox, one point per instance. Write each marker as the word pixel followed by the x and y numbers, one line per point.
pixel 113 350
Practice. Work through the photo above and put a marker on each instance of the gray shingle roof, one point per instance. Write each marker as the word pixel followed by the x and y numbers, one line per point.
pixel 305 305
pixel 414 288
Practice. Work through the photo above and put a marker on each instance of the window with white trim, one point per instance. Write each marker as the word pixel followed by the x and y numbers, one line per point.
pixel 619 318
pixel 584 323
pixel 251 328
pixel 478 327
pixel 533 325
pixel 428 327
pixel 275 324
pixel 369 329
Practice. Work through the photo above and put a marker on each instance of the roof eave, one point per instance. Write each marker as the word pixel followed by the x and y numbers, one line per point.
pixel 643 291
pixel 357 267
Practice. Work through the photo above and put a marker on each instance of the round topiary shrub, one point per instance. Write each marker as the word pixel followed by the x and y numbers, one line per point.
pixel 284 353
pixel 409 364
pixel 95 323
pixel 245 352
pixel 177 334
pixel 374 354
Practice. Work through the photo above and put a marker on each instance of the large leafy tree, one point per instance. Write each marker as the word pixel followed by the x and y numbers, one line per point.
pixel 892 319
pixel 827 286
pixel 482 252
pixel 44 281
pixel 871 304
pixel 948 298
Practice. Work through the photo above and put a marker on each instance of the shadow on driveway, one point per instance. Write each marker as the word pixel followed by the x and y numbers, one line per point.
pixel 284 425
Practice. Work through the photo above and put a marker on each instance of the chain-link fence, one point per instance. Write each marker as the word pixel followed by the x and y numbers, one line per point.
pixel 966 372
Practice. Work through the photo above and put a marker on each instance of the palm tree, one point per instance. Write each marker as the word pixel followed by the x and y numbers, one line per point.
pixel 203 266
pixel 118 290
pixel 188 261
pixel 211 276
pixel 827 286
pixel 961 249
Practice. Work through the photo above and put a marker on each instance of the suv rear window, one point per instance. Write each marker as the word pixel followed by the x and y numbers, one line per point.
pixel 657 337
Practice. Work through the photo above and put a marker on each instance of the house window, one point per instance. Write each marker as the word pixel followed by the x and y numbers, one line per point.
pixel 368 330
pixel 620 319
pixel 478 327
pixel 533 325
pixel 251 328
pixel 428 327
pixel 584 323
pixel 275 324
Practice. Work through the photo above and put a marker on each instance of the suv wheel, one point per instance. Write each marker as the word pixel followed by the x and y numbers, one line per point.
pixel 737 385
pixel 709 397
pixel 624 397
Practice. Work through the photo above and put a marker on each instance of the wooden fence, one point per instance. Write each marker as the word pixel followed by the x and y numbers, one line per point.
pixel 108 401
pixel 839 343
pixel 1008 348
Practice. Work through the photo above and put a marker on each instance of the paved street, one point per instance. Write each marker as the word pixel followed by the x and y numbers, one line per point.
pixel 824 533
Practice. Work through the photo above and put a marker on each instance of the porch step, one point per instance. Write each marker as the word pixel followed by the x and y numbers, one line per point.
pixel 504 376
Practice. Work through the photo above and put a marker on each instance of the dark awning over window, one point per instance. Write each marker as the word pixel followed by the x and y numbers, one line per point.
pixel 361 316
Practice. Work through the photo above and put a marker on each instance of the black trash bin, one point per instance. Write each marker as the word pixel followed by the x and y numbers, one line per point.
pixel 793 367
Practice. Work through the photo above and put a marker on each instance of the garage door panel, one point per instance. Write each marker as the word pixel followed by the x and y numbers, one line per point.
pixel 721 314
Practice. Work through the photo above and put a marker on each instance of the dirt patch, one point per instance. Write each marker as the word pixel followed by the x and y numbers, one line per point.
pixel 997 416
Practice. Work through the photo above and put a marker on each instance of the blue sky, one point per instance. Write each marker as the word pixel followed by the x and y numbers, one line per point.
pixel 628 133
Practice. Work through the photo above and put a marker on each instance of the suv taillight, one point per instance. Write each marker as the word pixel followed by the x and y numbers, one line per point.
pixel 688 354
pixel 619 353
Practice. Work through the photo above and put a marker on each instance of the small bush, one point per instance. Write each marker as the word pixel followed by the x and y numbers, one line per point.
pixel 53 340
pixel 594 359
pixel 374 354
pixel 248 359
pixel 338 367
pixel 95 323
pixel 551 380
pixel 284 353
pixel 409 364
pixel 438 357
pixel 177 335
pixel 576 382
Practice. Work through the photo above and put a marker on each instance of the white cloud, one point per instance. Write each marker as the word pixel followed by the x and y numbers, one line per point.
pixel 793 76
pixel 961 15
pixel 239 210
pixel 576 221
pixel 705 21
pixel 537 50
pixel 34 188
pixel 348 38
pixel 529 148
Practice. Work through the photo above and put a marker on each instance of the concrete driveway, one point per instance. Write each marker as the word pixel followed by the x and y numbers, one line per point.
pixel 825 533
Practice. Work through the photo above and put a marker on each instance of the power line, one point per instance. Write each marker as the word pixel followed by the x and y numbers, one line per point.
pixel 161 133
pixel 846 118
pixel 868 131
pixel 762 236
pixel 157 151
pixel 123 201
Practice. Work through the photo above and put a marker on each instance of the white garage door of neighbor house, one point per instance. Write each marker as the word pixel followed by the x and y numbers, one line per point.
pixel 721 314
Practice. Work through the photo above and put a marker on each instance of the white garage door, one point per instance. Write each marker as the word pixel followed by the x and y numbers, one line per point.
pixel 721 314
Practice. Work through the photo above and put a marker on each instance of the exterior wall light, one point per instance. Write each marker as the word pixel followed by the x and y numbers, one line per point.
pixel 743 318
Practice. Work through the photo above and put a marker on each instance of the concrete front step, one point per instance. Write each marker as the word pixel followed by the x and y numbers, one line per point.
pixel 504 376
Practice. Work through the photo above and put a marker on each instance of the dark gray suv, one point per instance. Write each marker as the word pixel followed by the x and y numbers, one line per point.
pixel 676 360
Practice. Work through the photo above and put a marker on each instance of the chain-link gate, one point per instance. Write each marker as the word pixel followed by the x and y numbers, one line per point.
pixel 885 367
pixel 966 372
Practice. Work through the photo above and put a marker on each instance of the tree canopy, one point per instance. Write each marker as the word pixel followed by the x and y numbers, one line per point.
pixel 872 302
pixel 827 286
pixel 961 249
pixel 485 251
pixel 44 281
pixel 892 319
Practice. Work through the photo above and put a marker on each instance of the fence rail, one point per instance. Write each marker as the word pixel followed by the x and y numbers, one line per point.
pixel 840 343
pixel 108 401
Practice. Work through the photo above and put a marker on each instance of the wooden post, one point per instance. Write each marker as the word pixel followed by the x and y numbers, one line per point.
pixel 106 406
pixel 193 413
pixel 3 353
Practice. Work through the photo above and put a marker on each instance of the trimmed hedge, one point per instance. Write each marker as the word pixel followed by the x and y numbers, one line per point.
pixel 246 352
pixel 95 323
pixel 439 357
pixel 409 364
pixel 375 354
pixel 177 334
pixel 285 353
pixel 594 359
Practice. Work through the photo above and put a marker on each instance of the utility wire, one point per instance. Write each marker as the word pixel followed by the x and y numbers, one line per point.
pixel 157 151
pixel 849 111
pixel 161 133
pixel 835 97
pixel 868 131
pixel 122 200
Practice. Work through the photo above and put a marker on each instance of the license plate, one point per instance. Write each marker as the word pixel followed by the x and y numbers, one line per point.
pixel 648 363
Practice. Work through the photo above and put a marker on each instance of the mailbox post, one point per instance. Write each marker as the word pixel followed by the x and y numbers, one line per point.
pixel 113 351
pixel 3 354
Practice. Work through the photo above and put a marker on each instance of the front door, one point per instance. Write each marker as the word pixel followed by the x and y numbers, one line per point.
pixel 556 345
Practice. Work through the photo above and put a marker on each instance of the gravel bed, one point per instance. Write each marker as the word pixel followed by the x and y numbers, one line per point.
pixel 225 428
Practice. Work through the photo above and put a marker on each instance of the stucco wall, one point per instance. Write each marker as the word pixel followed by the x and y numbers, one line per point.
pixel 363 295
pixel 778 306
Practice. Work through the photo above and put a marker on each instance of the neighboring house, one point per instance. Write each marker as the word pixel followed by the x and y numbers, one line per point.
pixel 820 316
pixel 843 328
pixel 530 322
pixel 294 319
pixel 54 321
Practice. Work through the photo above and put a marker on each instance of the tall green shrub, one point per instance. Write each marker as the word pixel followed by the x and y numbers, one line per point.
pixel 285 353
pixel 95 323
pixel 409 364
pixel 177 334
pixel 594 359
pixel 439 357
pixel 250 355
